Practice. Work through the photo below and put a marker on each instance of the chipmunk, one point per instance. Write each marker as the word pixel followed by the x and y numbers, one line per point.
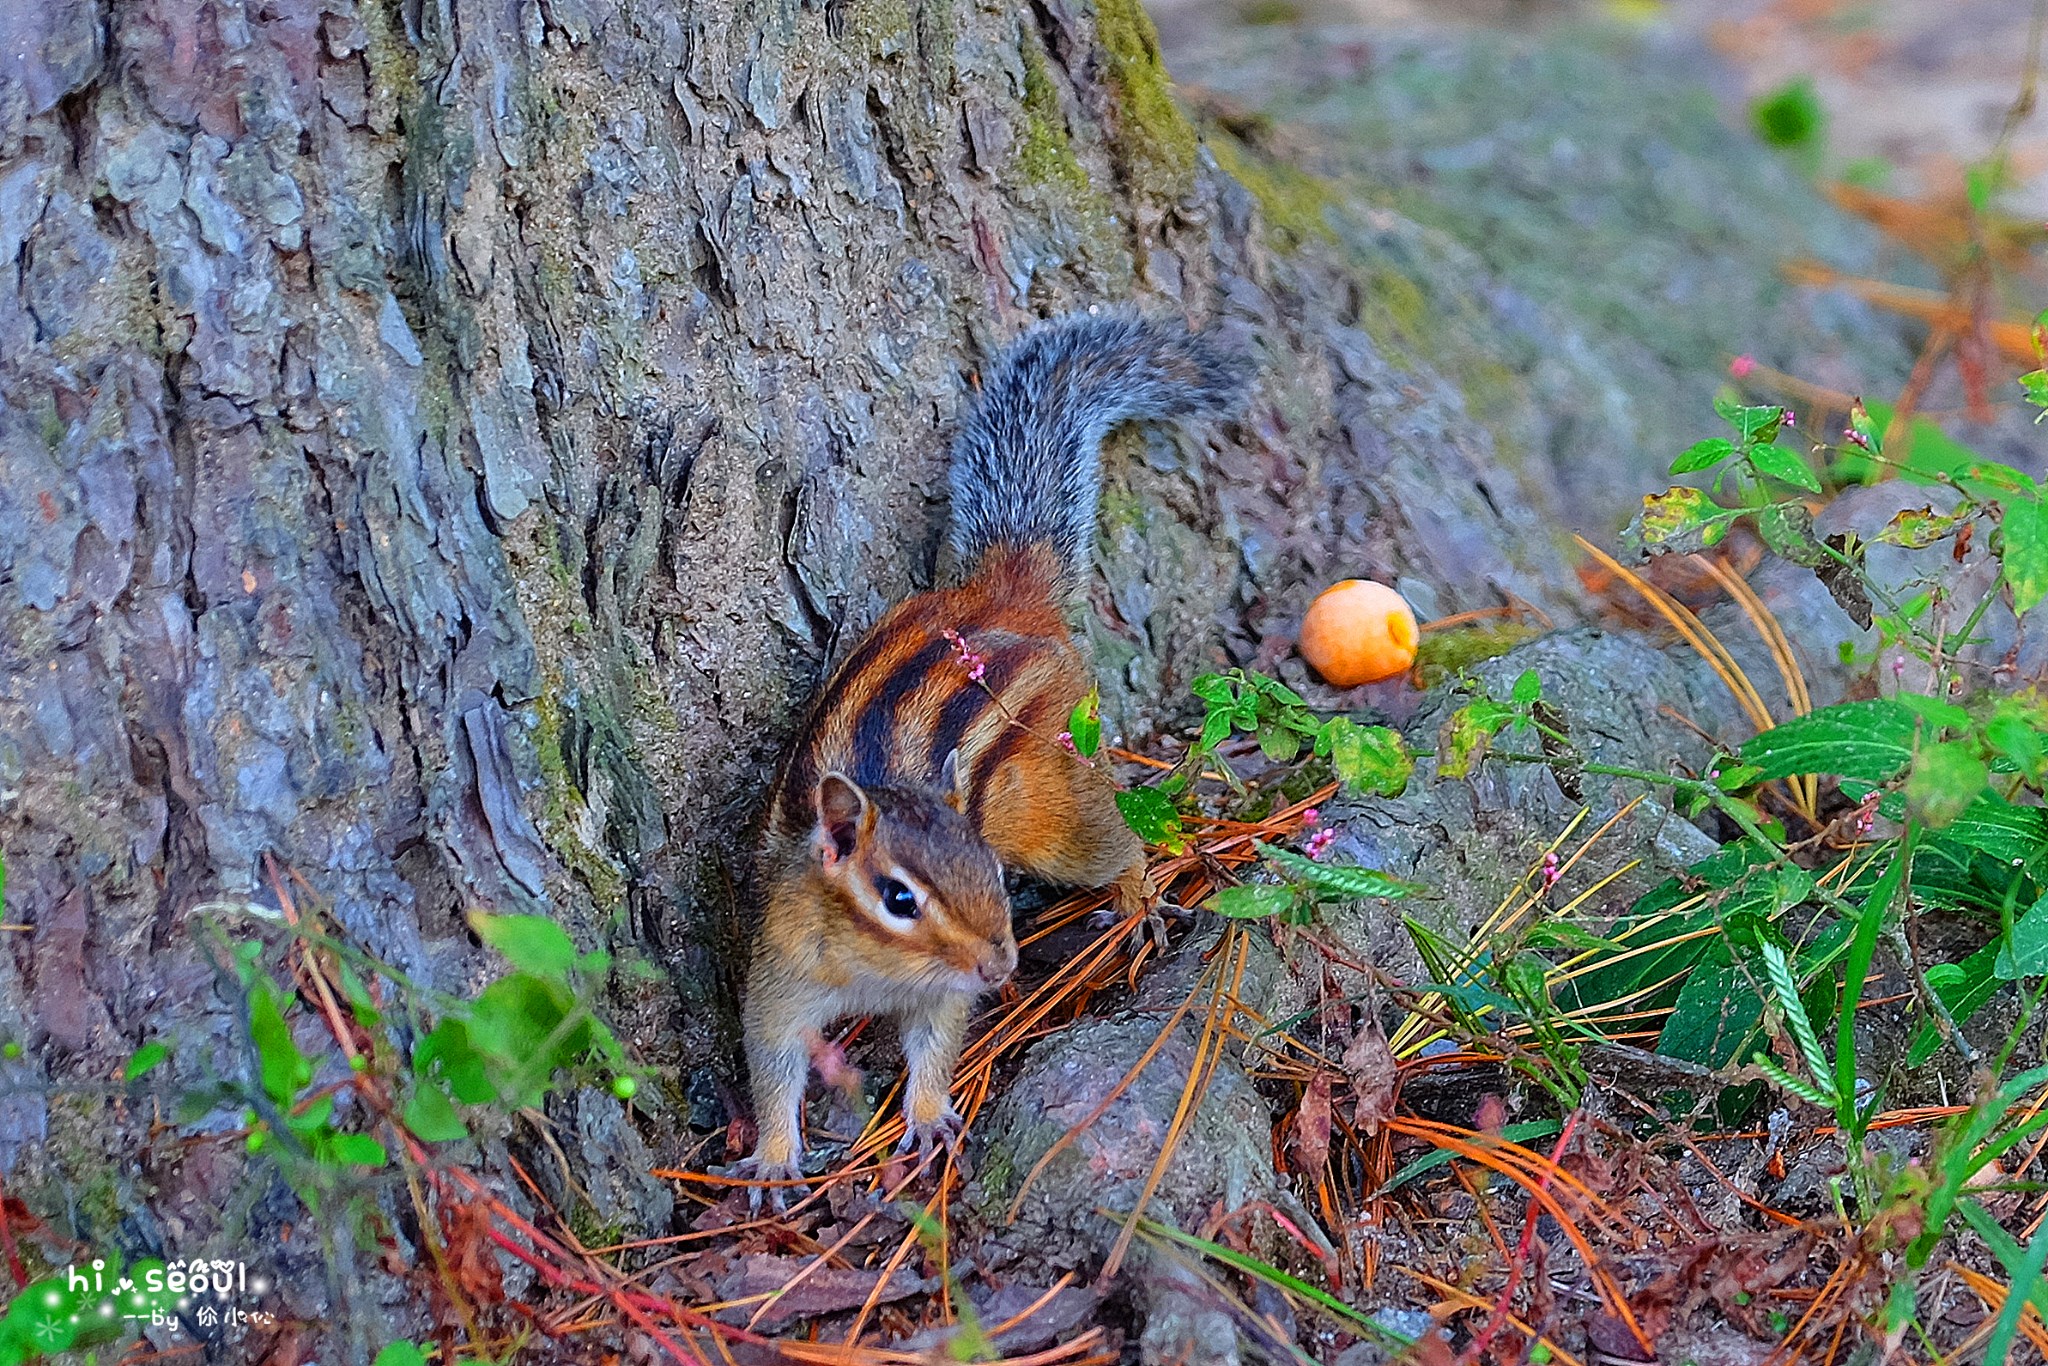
pixel 932 761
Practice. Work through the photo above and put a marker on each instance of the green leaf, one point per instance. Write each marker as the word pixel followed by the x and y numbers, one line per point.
pixel 1368 758
pixel 2027 954
pixel 450 1049
pixel 146 1057
pixel 1252 901
pixel 1946 781
pixel 1735 777
pixel 284 1070
pixel 2026 1287
pixel 1430 1161
pixel 2035 383
pixel 2025 554
pixel 1215 729
pixel 1337 879
pixel 1870 741
pixel 1963 989
pixel 1150 813
pixel 1918 528
pixel 2016 732
pixel 359 1150
pixel 1714 1016
pixel 1703 455
pixel 1785 466
pixel 400 1354
pixel 1528 689
pixel 1787 528
pixel 1277 741
pixel 533 943
pixel 431 1116
pixel 1465 734
pixel 1679 521
pixel 1759 424
pixel 1084 724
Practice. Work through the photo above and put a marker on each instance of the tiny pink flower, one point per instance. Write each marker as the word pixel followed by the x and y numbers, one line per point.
pixel 1741 366
pixel 1898 666
pixel 1309 818
pixel 1855 438
pixel 1791 418
pixel 1551 870
pixel 1319 843
pixel 966 656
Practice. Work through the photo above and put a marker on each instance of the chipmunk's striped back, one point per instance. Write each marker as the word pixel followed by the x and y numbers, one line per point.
pixel 980 671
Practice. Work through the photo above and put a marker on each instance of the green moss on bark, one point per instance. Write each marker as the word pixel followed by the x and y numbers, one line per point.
pixel 1156 143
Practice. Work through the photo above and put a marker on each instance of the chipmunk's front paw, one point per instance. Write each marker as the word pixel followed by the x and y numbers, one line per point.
pixel 772 1177
pixel 1155 916
pixel 928 1136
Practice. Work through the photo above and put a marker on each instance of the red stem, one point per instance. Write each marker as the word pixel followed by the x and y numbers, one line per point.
pixel 1477 1347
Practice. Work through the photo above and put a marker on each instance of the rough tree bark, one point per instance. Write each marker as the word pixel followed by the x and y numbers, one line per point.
pixel 442 441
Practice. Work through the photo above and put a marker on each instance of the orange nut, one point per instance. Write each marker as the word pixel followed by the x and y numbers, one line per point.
pixel 1357 632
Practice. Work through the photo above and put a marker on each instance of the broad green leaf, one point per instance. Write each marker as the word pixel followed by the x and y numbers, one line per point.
pixel 1679 521
pixel 1870 741
pixel 1150 813
pixel 1703 455
pixel 1716 1014
pixel 449 1048
pixel 1946 780
pixel 1785 466
pixel 1528 688
pixel 431 1117
pixel 1084 724
pixel 400 1354
pixel 1935 712
pixel 1277 741
pixel 2018 737
pixel 2027 955
pixel 1252 901
pixel 532 943
pixel 2025 555
pixel 1369 758
pixel 146 1057
pixel 1759 423
pixel 1787 528
pixel 1216 689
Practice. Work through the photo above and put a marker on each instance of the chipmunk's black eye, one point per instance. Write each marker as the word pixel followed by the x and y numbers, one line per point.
pixel 897 899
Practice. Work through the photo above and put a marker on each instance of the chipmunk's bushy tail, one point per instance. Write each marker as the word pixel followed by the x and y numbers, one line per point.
pixel 1027 467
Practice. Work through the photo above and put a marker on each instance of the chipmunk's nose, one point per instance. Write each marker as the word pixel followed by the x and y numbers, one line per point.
pixel 999 961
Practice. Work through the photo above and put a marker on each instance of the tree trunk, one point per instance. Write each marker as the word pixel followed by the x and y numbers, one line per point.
pixel 442 443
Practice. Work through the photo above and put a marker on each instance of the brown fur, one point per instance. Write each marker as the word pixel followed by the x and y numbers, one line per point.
pixel 884 726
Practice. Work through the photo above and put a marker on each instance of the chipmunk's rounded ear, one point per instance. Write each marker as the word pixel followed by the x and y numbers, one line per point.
pixel 950 787
pixel 844 817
